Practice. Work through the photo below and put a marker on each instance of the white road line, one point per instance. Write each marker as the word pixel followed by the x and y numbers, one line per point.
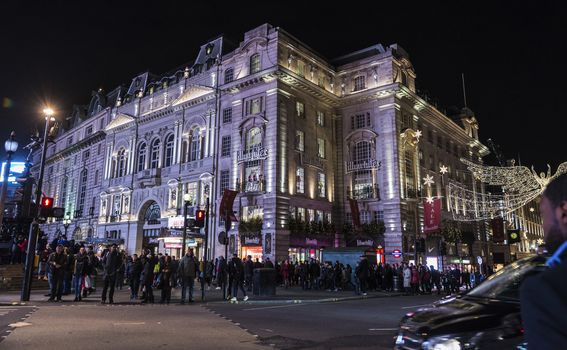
pixel 129 323
pixel 382 329
pixel 415 306
pixel 275 307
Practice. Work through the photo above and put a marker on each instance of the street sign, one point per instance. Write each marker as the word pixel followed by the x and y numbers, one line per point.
pixel 396 253
pixel 222 238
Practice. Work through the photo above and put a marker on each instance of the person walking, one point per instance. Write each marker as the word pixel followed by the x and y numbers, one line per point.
pixel 134 274
pixel 188 271
pixel 81 261
pixel 236 270
pixel 166 281
pixel 362 273
pixel 57 262
pixel 110 263
pixel 148 278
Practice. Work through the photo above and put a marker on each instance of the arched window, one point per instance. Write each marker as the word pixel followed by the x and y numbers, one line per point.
pixel 361 152
pixel 195 145
pixel 228 75
pixel 253 138
pixel 154 154
pixel 142 154
pixel 254 63
pixel 168 154
pixel 82 192
pixel 121 161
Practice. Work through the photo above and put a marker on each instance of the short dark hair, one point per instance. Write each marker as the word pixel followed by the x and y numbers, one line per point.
pixel 556 190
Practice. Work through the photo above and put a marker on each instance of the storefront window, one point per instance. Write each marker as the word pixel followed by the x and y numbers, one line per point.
pixel 301 214
pixel 310 215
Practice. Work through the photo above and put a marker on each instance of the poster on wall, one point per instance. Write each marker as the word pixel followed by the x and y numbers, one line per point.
pixel 268 243
pixel 432 215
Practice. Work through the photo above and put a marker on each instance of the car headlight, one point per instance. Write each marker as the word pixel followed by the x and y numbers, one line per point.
pixel 442 343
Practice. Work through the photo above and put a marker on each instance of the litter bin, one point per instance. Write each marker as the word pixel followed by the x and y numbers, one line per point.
pixel 396 281
pixel 264 282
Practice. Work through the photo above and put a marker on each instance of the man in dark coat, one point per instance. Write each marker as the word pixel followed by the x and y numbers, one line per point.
pixel 111 263
pixel 188 271
pixel 544 296
pixel 248 272
pixel 362 271
pixel 236 271
pixel 57 262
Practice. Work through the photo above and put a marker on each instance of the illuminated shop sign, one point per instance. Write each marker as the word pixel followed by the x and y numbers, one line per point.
pixel 368 164
pixel 251 155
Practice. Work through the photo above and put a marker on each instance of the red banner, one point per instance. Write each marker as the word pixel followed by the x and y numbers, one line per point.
pixel 226 204
pixel 497 230
pixel 355 213
pixel 432 216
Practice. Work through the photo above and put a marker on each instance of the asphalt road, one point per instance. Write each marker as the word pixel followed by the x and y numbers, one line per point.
pixel 362 324
pixel 10 315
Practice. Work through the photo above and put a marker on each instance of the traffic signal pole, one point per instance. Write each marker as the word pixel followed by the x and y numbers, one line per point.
pixel 34 227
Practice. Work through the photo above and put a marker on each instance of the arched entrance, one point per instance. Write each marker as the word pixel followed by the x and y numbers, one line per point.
pixel 149 223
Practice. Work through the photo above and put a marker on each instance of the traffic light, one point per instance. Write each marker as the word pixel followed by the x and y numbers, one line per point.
pixel 442 248
pixel 46 207
pixel 200 218
pixel 514 236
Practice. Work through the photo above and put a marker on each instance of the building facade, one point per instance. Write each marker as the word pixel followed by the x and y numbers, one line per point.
pixel 294 134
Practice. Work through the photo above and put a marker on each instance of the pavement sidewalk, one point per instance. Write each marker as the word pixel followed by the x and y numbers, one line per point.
pixel 283 296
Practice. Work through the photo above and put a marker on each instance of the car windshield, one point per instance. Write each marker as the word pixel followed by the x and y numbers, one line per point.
pixel 505 284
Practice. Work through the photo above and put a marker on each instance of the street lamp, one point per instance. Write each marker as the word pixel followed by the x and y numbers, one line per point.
pixel 10 146
pixel 66 223
pixel 34 228
pixel 186 201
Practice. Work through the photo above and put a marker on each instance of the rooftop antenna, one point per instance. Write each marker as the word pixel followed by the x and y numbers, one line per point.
pixel 464 91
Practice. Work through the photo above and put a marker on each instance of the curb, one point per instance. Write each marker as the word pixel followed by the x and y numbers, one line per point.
pixel 306 301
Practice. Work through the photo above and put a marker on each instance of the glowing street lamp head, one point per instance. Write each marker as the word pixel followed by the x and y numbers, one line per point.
pixel 48 112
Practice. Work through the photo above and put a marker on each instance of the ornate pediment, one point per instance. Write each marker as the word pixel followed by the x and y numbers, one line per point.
pixel 191 93
pixel 121 119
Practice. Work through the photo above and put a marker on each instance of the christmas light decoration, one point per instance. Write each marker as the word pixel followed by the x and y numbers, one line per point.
pixel 443 169
pixel 519 186
pixel 428 180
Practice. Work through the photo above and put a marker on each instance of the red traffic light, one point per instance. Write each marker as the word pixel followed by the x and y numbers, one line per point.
pixel 47 202
pixel 200 218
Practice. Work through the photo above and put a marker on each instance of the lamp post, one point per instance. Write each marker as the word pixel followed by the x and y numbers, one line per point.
pixel 186 201
pixel 66 223
pixel 10 146
pixel 34 228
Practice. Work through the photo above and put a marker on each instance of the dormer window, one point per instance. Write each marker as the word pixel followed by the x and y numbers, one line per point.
pixel 255 63
pixel 359 83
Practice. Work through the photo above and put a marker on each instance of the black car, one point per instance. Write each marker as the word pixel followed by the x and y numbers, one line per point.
pixel 487 317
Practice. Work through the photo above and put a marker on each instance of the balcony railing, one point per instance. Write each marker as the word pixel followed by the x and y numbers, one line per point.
pixel 251 186
pixel 365 192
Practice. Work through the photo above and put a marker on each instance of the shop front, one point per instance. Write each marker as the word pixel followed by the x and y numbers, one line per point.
pixel 305 248
pixel 251 244
pixel 374 249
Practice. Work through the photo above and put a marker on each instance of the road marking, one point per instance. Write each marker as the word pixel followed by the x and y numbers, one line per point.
pixel 268 330
pixel 415 306
pixel 274 307
pixel 19 324
pixel 129 323
pixel 382 329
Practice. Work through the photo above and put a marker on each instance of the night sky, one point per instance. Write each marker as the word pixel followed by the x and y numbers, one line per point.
pixel 514 57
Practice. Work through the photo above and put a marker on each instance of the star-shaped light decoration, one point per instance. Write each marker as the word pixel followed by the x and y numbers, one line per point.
pixel 418 134
pixel 443 169
pixel 428 180
pixel 429 200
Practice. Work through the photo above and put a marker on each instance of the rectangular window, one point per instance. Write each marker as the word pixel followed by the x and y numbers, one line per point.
pixel 86 155
pixel 360 121
pixel 300 109
pixel 320 118
pixel 300 180
pixel 318 215
pixel 88 130
pixel 301 214
pixel 99 151
pixel 69 141
pixel 321 148
pixel 299 140
pixel 227 115
pixel 254 63
pixel 429 136
pixel 321 184
pixel 228 75
pixel 310 215
pixel 379 215
pixel 360 83
pixel 224 180
pixel 225 148
pixel 101 123
pixel 253 105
